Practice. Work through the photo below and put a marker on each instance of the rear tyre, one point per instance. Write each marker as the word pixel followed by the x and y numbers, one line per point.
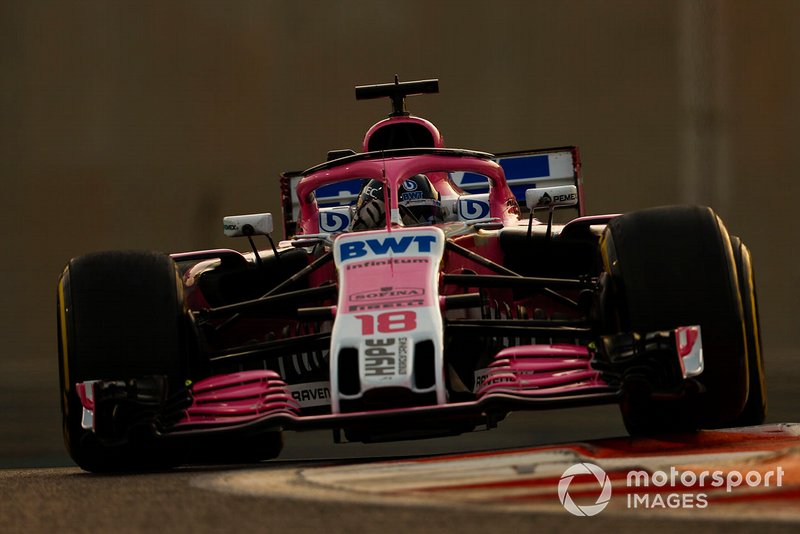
pixel 755 408
pixel 670 267
pixel 120 315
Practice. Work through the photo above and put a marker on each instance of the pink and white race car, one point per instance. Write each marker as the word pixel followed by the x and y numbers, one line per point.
pixel 420 291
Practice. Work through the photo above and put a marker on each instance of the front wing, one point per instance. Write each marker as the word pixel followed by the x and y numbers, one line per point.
pixel 520 378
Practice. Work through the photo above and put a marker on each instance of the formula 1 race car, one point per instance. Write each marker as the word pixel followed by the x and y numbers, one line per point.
pixel 416 294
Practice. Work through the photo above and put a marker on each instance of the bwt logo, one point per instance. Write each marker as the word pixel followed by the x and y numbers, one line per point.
pixel 410 185
pixel 333 221
pixel 584 469
pixel 386 245
pixel 472 210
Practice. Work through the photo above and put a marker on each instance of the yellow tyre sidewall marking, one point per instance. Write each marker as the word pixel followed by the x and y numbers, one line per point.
pixel 62 311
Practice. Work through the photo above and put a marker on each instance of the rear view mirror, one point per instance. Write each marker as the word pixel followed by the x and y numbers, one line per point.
pixel 248 225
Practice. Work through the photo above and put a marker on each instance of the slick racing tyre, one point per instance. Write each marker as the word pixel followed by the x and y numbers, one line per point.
pixel 670 267
pixel 120 315
pixel 755 408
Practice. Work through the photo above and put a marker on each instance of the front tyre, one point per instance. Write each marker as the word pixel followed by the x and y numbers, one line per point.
pixel 120 315
pixel 671 267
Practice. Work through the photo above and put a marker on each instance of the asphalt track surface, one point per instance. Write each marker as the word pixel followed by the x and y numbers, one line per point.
pixel 396 493
pixel 43 492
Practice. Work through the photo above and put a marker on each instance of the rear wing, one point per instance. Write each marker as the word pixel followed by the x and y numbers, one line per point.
pixel 524 170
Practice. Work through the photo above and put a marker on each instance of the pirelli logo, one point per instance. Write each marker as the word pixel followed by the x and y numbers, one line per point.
pixel 369 306
pixel 386 298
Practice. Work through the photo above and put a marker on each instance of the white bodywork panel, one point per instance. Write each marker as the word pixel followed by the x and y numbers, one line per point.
pixel 388 302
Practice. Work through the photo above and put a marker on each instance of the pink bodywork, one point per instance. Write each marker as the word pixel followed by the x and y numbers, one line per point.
pixel 436 136
pixel 539 370
pixel 528 371
pixel 502 203
pixel 238 398
pixel 361 279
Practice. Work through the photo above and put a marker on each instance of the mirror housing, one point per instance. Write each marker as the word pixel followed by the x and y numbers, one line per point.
pixel 247 225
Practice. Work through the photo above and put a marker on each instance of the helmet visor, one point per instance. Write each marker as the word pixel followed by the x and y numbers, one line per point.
pixel 420 212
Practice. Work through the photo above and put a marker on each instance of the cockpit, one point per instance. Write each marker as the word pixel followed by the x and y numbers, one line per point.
pixel 418 204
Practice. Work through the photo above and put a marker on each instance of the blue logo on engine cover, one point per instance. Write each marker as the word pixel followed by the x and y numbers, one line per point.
pixel 473 209
pixel 333 221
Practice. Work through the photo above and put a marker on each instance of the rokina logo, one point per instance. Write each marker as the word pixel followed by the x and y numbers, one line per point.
pixel 584 469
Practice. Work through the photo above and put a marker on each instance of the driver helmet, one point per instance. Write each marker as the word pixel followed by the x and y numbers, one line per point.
pixel 417 200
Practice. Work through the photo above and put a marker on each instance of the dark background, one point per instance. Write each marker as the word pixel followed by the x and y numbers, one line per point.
pixel 141 124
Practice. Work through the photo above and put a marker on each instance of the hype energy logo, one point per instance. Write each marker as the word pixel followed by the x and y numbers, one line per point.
pixel 603 490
